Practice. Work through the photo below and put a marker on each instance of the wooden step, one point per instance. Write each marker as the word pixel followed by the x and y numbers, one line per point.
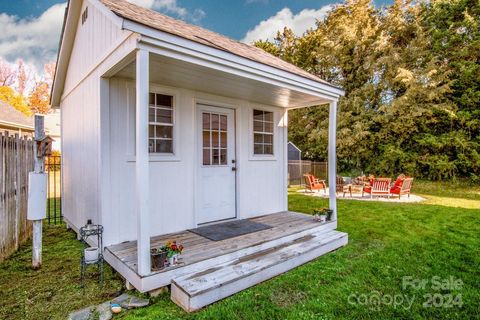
pixel 194 291
pixel 164 278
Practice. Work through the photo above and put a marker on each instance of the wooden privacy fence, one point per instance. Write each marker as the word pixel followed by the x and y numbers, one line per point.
pixel 16 161
pixel 297 168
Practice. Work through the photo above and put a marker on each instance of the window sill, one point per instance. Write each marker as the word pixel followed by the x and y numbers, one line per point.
pixel 262 158
pixel 157 158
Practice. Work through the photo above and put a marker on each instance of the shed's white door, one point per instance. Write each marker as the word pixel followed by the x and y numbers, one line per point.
pixel 215 163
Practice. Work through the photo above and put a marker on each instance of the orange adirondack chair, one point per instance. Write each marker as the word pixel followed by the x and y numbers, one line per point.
pixel 312 183
pixel 402 185
pixel 378 187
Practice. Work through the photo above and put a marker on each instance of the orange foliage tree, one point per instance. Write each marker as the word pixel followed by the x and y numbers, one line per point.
pixel 39 98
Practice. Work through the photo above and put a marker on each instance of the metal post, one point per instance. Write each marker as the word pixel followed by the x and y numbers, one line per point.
pixel 39 168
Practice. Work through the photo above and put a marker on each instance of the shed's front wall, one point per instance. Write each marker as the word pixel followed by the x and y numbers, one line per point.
pixel 260 181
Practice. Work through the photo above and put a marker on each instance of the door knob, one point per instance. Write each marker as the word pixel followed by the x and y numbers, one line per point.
pixel 234 169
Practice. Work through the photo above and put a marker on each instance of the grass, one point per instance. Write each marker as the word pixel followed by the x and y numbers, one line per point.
pixel 54 290
pixel 458 194
pixel 387 242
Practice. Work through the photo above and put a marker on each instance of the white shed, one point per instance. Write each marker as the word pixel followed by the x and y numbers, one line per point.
pixel 167 127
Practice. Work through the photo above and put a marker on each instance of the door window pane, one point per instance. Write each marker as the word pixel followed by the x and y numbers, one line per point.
pixel 223 139
pixel 215 122
pixel 223 156
pixel 223 123
pixel 206 121
pixel 206 138
pixel 214 139
pixel 215 156
pixel 206 157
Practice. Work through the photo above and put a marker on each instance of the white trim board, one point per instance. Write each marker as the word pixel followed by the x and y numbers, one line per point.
pixel 162 39
pixel 279 79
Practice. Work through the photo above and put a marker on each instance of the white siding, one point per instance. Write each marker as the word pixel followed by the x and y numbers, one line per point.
pixel 98 44
pixel 93 41
pixel 261 187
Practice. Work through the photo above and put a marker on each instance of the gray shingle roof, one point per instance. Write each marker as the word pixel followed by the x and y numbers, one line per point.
pixel 12 115
pixel 182 29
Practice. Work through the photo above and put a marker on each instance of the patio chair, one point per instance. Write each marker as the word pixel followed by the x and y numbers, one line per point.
pixel 342 186
pixel 378 187
pixel 312 183
pixel 402 185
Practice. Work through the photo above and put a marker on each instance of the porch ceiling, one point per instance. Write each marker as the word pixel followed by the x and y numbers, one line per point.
pixel 176 73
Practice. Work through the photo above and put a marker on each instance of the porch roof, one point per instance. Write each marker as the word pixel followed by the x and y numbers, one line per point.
pixel 180 73
pixel 206 37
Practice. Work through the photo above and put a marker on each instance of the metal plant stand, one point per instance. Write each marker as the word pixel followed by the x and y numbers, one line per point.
pixel 92 230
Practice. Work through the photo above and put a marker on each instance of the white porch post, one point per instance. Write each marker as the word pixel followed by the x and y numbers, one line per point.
pixel 141 164
pixel 332 158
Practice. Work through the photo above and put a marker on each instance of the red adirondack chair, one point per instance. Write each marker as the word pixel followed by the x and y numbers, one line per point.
pixel 402 185
pixel 378 187
pixel 312 183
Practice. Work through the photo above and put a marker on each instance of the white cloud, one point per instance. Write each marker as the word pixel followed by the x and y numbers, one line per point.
pixel 172 7
pixel 35 40
pixel 299 23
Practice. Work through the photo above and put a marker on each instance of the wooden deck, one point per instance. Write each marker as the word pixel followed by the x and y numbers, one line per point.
pixel 200 252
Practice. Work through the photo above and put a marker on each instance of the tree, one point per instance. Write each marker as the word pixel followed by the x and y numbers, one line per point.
pixel 39 98
pixel 7 73
pixel 49 70
pixel 14 99
pixel 411 76
pixel 21 77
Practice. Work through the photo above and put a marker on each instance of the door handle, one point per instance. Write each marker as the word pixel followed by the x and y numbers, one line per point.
pixel 234 169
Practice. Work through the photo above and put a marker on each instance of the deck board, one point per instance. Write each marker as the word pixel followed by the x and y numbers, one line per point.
pixel 198 248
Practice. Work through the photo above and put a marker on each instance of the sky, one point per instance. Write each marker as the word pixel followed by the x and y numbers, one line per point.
pixel 30 29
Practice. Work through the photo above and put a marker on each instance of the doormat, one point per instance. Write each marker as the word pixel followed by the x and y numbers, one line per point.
pixel 231 229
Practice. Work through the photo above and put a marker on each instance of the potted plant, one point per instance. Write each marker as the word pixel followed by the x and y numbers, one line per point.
pixel 158 257
pixel 323 214
pixel 173 250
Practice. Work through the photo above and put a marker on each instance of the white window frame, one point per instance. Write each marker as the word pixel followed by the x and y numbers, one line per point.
pixel 154 157
pixel 251 134
pixel 172 124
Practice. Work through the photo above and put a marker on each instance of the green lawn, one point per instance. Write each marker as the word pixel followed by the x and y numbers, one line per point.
pixel 388 242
